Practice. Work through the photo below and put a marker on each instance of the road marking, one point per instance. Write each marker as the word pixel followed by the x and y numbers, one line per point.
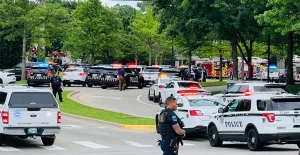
pixel 135 144
pixel 139 100
pixel 107 97
pixel 91 145
pixel 8 148
pixel 52 148
pixel 188 144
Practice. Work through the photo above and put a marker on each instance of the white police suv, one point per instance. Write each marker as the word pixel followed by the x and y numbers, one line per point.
pixel 195 111
pixel 259 120
pixel 28 112
pixel 242 89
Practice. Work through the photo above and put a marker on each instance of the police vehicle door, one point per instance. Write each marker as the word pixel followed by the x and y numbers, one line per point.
pixel 234 91
pixel 163 93
pixel 242 118
pixel 227 121
pixel 170 89
pixel 181 111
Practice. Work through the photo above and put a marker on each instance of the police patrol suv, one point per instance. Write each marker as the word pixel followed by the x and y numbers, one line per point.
pixel 240 89
pixel 28 112
pixel 259 120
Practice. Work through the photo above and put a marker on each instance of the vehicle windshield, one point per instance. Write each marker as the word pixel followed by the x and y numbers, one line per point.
pixel 205 102
pixel 269 89
pixel 73 70
pixel 32 100
pixel 95 70
pixel 280 104
pixel 151 70
pixel 189 85
pixel 110 71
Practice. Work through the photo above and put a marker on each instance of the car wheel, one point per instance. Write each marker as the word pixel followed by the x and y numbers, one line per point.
pixel 83 85
pixel 103 87
pixel 149 97
pixel 213 137
pixel 1 139
pixel 253 142
pixel 69 84
pixel 48 141
pixel 90 85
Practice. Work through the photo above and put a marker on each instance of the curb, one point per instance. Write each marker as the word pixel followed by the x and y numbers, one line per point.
pixel 124 126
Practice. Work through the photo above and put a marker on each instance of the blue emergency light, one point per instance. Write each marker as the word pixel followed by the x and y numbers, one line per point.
pixel 43 65
pixel 272 66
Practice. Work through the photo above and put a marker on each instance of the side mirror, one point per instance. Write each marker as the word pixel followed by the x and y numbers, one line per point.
pixel 220 110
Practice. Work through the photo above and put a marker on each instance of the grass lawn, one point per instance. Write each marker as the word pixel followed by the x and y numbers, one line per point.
pixel 21 82
pixel 72 107
pixel 215 92
pixel 210 84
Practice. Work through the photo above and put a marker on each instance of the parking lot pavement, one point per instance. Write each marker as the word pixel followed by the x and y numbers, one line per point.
pixel 87 137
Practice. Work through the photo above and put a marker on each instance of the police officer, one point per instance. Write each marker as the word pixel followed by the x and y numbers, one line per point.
pixel 169 128
pixel 56 86
pixel 122 80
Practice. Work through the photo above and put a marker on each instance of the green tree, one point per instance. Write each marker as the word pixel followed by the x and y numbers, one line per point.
pixel 283 18
pixel 94 31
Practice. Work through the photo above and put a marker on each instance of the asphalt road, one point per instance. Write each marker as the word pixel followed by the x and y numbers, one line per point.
pixel 88 137
pixel 132 101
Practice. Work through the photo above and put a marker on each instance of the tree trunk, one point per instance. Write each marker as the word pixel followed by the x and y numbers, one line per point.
pixel 290 75
pixel 93 58
pixel 249 57
pixel 221 67
pixel 160 59
pixel 156 58
pixel 150 51
pixel 234 55
pixel 24 55
pixel 190 61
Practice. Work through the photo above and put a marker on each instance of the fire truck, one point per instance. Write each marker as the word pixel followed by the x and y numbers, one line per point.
pixel 213 68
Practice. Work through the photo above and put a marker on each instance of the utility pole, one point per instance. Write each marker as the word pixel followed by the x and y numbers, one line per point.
pixel 269 52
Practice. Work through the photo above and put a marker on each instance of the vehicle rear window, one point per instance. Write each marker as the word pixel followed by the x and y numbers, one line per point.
pixel 39 70
pixel 270 89
pixel 95 70
pixel 110 71
pixel 281 104
pixel 73 70
pixel 165 80
pixel 151 70
pixel 205 102
pixel 188 85
pixel 32 100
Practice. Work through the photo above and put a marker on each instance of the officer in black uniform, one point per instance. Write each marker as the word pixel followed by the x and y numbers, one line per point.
pixel 170 128
pixel 56 86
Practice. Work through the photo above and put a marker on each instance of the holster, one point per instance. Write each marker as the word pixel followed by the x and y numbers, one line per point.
pixel 173 142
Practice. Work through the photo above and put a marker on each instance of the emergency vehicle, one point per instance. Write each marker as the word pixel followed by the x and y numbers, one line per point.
pixel 240 89
pixel 195 112
pixel 133 76
pixel 296 68
pixel 74 75
pixel 93 76
pixel 258 119
pixel 213 68
pixel 150 74
pixel 109 76
pixel 39 74
pixel 29 112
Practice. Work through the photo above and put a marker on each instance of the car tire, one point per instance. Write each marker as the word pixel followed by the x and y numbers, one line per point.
pixel 83 85
pixel 48 141
pixel 64 84
pixel 1 139
pixel 253 141
pixel 69 84
pixel 90 85
pixel 149 97
pixel 103 87
pixel 213 137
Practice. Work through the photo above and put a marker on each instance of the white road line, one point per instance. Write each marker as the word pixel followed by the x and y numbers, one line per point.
pixel 135 144
pixel 91 145
pixel 8 148
pixel 107 97
pixel 139 100
pixel 52 148
pixel 188 144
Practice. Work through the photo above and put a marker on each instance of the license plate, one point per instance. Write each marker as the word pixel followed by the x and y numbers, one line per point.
pixel 38 75
pixel 71 80
pixel 95 74
pixel 32 130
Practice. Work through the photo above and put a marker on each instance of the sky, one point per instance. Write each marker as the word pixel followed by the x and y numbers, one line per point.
pixel 111 3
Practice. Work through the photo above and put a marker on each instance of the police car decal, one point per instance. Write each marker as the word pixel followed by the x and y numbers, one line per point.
pixel 234 124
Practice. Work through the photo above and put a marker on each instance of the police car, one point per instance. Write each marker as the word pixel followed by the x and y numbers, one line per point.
pixel 240 89
pixel 133 77
pixel 150 74
pixel 28 112
pixel 94 73
pixel 176 88
pixel 258 119
pixel 195 111
pixel 39 74
pixel 273 73
pixel 74 75
pixel 157 87
pixel 7 78
pixel 109 76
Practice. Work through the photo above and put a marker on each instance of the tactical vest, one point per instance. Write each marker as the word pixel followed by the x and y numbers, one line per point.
pixel 56 82
pixel 165 128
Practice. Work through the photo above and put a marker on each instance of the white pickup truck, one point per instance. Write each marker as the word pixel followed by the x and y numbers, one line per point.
pixel 28 112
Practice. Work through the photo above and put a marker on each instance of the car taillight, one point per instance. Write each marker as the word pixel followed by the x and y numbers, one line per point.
pixel 80 74
pixel 188 92
pixel 5 117
pixel 270 117
pixel 59 117
pixel 196 113
pixel 64 74
pixel 248 93
pixel 160 86
pixel 10 74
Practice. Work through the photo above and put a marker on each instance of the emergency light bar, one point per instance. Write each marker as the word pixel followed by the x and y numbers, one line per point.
pixel 191 92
